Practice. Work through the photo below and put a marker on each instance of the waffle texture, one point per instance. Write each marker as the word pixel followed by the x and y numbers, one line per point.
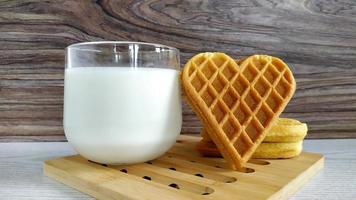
pixel 237 104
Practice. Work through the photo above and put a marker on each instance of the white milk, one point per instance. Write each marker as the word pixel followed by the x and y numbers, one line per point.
pixel 121 115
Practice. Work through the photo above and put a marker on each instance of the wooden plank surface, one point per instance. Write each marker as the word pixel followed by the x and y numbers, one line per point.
pixel 266 179
pixel 316 38
pixel 22 178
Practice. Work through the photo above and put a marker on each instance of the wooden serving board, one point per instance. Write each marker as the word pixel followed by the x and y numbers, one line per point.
pixel 183 174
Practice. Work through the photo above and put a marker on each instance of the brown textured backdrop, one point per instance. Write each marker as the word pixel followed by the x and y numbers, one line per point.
pixel 316 37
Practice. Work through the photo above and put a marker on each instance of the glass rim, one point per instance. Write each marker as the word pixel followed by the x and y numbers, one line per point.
pixel 168 48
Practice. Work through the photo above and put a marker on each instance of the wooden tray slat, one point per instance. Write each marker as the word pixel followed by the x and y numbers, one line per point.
pixel 183 174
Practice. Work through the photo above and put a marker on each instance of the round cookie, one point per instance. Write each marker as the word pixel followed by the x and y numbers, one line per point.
pixel 207 148
pixel 264 150
pixel 278 150
pixel 285 130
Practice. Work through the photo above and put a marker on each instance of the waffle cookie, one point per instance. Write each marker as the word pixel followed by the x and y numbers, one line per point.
pixel 264 150
pixel 237 104
pixel 285 130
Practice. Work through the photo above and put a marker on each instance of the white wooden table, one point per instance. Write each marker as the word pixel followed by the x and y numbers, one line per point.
pixel 21 175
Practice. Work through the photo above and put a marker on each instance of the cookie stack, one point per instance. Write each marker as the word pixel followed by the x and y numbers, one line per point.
pixel 237 102
pixel 283 140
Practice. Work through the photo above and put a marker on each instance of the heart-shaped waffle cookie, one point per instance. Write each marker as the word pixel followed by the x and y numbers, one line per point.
pixel 237 104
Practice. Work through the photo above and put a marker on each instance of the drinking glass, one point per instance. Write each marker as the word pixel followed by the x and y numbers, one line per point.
pixel 122 102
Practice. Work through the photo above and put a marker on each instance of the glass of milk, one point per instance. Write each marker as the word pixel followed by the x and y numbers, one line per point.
pixel 122 102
